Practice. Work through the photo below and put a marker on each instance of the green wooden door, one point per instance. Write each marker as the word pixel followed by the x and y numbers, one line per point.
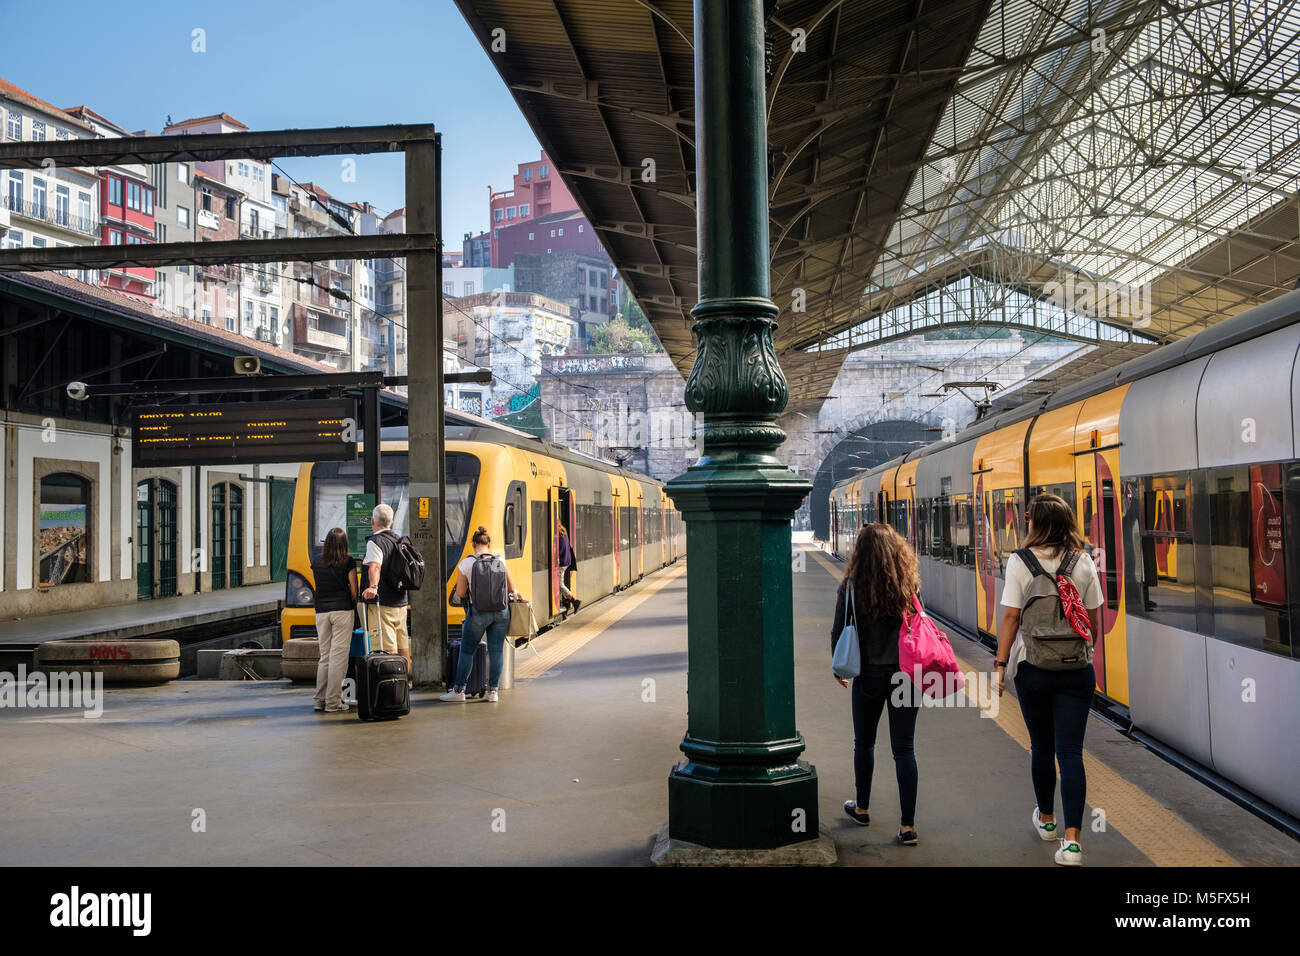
pixel 144 540
pixel 165 510
pixel 281 523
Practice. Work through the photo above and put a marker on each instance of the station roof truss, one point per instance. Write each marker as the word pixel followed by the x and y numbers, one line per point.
pixel 1150 144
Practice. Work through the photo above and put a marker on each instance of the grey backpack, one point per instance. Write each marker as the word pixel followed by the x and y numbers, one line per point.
pixel 1051 641
pixel 489 587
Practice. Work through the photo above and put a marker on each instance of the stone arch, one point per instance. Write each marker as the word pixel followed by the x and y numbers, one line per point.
pixel 864 444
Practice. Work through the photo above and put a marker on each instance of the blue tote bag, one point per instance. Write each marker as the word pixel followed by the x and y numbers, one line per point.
pixel 846 662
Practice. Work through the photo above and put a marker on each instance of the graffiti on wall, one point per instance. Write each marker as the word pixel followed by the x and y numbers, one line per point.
pixel 515 403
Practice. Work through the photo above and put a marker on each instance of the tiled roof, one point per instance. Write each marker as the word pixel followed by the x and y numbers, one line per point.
pixel 224 117
pixel 81 112
pixel 18 93
pixel 152 314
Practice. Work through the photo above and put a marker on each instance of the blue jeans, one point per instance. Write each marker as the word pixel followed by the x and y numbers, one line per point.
pixel 476 622
pixel 872 690
pixel 1055 706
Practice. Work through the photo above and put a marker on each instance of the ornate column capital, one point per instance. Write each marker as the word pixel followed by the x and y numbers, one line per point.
pixel 736 381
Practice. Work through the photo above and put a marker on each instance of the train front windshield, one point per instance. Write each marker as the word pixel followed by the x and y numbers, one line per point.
pixel 333 481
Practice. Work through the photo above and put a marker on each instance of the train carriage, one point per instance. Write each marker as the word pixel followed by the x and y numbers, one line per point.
pixel 621 524
pixel 1183 467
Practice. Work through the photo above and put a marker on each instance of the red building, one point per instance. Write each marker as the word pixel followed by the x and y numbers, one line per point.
pixel 552 233
pixel 126 214
pixel 537 192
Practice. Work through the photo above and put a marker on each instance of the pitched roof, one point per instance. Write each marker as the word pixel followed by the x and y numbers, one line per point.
pixel 224 117
pixel 83 111
pixel 153 314
pixel 18 93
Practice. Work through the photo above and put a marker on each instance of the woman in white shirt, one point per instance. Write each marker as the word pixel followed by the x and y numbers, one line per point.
pixel 480 621
pixel 1054 703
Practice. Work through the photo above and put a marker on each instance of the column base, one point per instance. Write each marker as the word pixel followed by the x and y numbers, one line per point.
pixel 819 851
pixel 742 808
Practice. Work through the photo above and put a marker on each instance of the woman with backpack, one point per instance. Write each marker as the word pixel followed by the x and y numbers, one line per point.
pixel 484 578
pixel 879 585
pixel 1051 598
pixel 335 601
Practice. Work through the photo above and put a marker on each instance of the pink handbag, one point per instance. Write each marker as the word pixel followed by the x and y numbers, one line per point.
pixel 925 655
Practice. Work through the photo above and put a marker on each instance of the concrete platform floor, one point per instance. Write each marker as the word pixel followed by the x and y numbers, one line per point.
pixel 142 618
pixel 569 768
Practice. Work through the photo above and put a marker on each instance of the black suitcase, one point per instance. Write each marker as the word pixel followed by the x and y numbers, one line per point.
pixel 476 685
pixel 383 685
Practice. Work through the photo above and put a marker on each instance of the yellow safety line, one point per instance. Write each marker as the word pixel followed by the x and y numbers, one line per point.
pixel 1156 832
pixel 619 608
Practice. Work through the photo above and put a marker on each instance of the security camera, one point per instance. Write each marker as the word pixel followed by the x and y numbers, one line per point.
pixel 247 365
pixel 77 391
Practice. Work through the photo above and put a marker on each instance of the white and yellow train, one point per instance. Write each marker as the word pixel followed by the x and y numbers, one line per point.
pixel 621 524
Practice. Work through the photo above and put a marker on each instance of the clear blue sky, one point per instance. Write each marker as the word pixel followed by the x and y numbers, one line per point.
pixel 277 64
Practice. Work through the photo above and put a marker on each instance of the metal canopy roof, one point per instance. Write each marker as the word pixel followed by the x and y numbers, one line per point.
pixel 608 86
pixel 1119 141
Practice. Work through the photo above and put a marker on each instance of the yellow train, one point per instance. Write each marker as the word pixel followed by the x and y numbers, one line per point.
pixel 621 524
pixel 1183 467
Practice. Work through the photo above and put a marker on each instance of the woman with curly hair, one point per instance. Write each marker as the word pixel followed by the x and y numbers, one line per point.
pixel 883 573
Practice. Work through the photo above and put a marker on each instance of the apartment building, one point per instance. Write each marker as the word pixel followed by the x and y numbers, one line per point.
pixel 126 210
pixel 260 301
pixel 47 207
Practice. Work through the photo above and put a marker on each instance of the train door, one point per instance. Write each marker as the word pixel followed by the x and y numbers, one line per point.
pixel 640 535
pixel 1099 513
pixel 553 505
pixel 617 541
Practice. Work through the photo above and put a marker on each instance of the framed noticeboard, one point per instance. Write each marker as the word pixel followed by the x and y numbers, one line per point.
pixel 359 509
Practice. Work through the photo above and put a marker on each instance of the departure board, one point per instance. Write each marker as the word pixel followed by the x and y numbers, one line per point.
pixel 244 434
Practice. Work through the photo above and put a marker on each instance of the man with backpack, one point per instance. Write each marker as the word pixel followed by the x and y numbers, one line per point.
pixel 393 569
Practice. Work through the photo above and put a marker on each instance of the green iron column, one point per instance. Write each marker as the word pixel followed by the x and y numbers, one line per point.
pixel 741 785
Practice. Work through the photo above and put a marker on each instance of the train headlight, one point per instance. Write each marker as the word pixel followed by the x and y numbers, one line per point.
pixel 297 592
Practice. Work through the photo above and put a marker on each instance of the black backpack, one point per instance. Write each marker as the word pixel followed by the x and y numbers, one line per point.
pixel 489 587
pixel 404 569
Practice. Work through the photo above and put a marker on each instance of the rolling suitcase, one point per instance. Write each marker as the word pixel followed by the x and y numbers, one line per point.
pixel 476 684
pixel 383 685
pixel 356 654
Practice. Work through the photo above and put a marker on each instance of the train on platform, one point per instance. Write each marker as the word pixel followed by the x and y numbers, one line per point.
pixel 621 524
pixel 1183 466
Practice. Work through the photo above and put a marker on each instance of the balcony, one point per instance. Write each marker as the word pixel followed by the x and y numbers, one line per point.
pixel 52 216
pixel 246 232
pixel 326 340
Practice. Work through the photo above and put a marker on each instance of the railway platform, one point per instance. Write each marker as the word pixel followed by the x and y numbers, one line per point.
pixel 570 768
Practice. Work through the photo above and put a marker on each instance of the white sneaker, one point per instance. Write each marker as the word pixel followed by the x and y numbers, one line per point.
pixel 1046 831
pixel 1070 853
pixel 454 697
pixel 492 697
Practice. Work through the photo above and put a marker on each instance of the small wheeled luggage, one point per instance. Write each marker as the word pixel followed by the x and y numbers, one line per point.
pixel 476 684
pixel 383 685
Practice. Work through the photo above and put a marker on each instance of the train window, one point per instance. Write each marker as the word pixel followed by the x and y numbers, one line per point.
pixel 1247 557
pixel 945 530
pixel 541 554
pixel 1161 570
pixel 1006 523
pixel 963 532
pixel 515 528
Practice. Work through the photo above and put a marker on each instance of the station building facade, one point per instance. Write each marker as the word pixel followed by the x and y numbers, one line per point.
pixel 80 525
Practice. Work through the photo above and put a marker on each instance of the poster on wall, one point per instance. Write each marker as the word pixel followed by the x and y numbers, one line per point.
pixel 1267 574
pixel 63 544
